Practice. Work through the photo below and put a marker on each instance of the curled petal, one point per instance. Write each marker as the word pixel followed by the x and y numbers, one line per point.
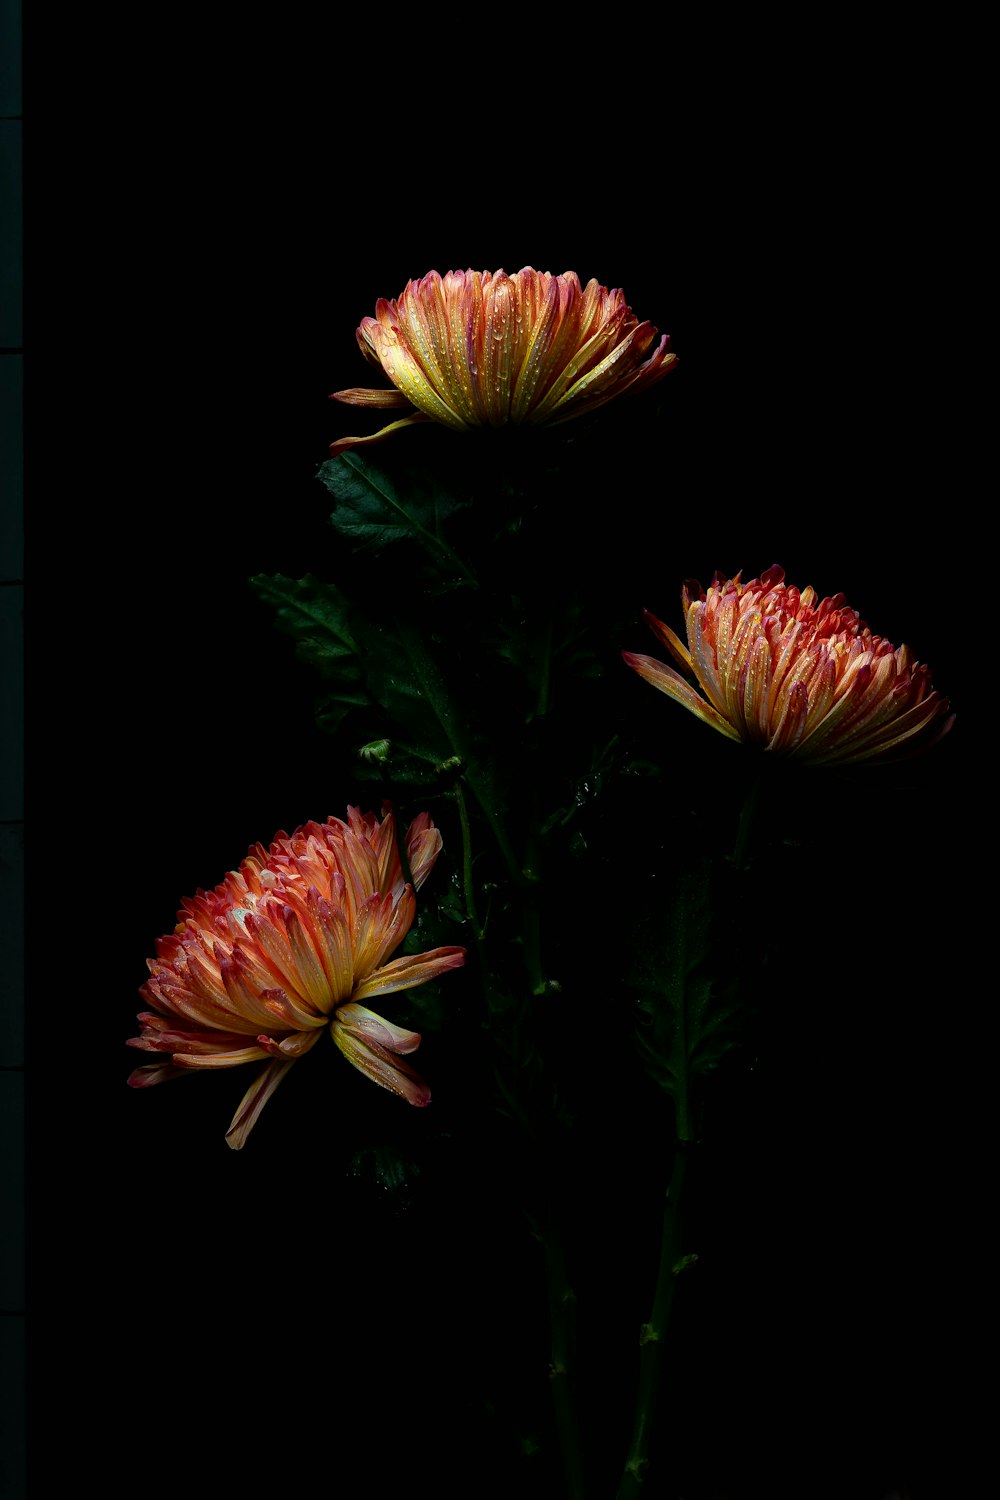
pixel 289 1046
pixel 423 845
pixel 382 1066
pixel 368 1027
pixel 342 444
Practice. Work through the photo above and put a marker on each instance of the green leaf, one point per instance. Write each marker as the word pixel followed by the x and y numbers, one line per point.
pixel 377 674
pixel 370 513
pixel 322 623
pixel 317 616
pixel 692 1015
pixel 385 1169
pixel 586 788
pixel 546 652
pixel 383 677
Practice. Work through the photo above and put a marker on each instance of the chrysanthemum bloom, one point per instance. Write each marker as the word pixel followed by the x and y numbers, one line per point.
pixel 803 678
pixel 295 940
pixel 481 349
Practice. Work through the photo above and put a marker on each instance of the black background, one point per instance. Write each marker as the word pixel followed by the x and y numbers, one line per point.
pixel 275 1316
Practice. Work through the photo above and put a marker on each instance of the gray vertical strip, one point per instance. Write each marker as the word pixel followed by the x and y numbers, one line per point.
pixel 13 1447
pixel 11 467
pixel 11 945
pixel 10 59
pixel 11 320
pixel 12 703
pixel 12 1193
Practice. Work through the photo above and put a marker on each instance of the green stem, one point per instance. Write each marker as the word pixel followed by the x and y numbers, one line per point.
pixel 532 945
pixel 467 882
pixel 433 689
pixel 531 926
pixel 651 1337
pixel 562 1322
pixel 746 819
pixel 542 701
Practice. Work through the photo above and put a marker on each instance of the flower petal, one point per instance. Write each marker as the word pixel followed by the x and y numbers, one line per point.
pixel 670 682
pixel 146 1077
pixel 253 1102
pixel 356 396
pixel 404 973
pixel 382 1067
pixel 225 1057
pixel 666 636
pixel 423 845
pixel 342 444
pixel 366 1026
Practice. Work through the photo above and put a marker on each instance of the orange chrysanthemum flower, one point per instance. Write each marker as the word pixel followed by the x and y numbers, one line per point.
pixel 803 678
pixel 481 349
pixel 293 941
